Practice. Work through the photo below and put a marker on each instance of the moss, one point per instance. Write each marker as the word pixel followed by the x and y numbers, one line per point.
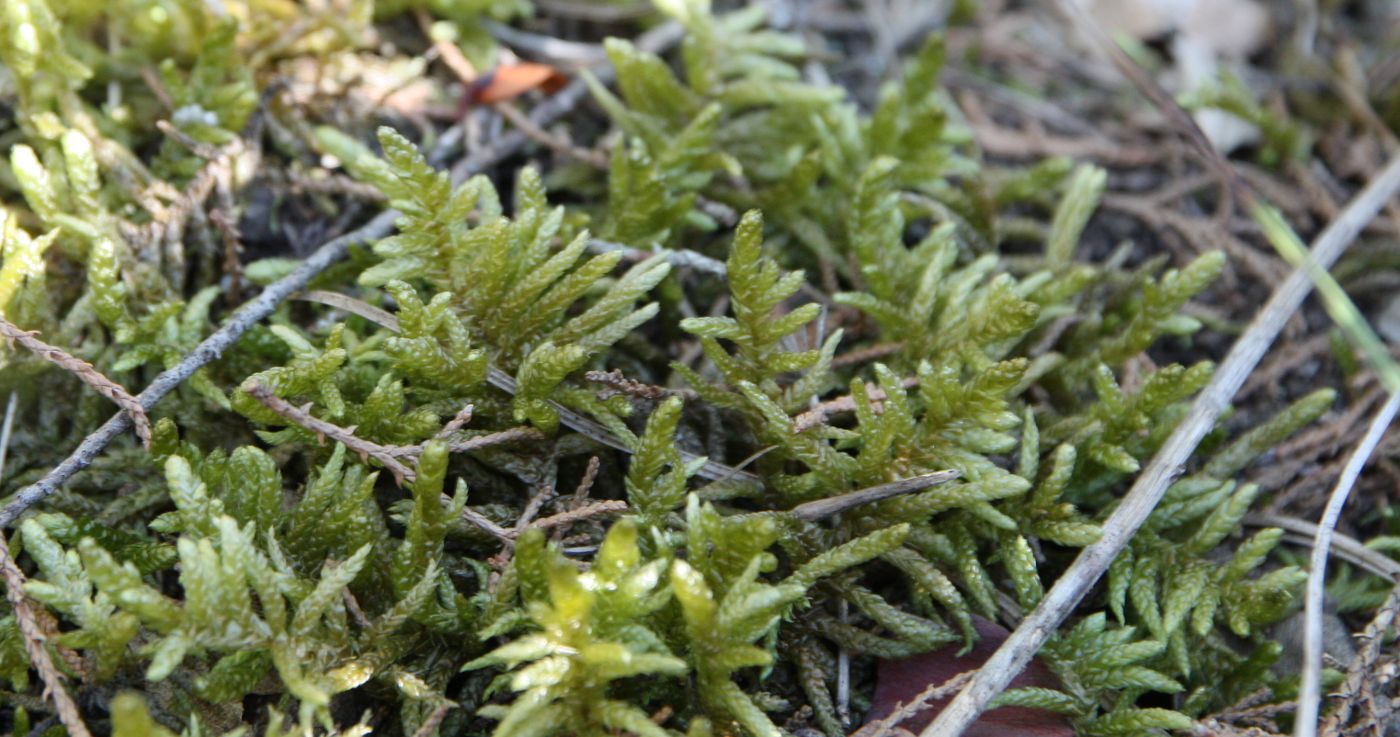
pixel 246 555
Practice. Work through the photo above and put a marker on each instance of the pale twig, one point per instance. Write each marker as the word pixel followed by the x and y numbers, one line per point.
pixel 1345 547
pixel 818 414
pixel 6 428
pixel 619 383
pixel 1152 483
pixel 558 144
pixel 606 506
pixel 344 435
pixel 480 520
pixel 532 508
pixel 821 508
pixel 85 372
pixel 1310 691
pixel 500 437
pixel 585 484
pixel 458 421
pixel 678 257
pixel 262 305
pixel 34 645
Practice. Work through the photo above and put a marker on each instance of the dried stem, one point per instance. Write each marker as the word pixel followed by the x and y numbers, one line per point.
pixel 323 429
pixel 458 421
pixel 1310 691
pixel 434 720
pixel 5 429
pixel 1345 547
pixel 620 384
pixel 818 414
pixel 606 506
pixel 904 712
pixel 85 372
pixel 34 645
pixel 821 508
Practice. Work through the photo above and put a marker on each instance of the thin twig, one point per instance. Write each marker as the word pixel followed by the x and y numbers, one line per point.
pixel 606 506
pixel 818 414
pixel 678 257
pixel 323 429
pixel 34 645
pixel 620 384
pixel 903 712
pixel 458 421
pixel 532 508
pixel 1345 547
pixel 821 508
pixel 480 520
pixel 558 144
pixel 501 437
pixel 585 484
pixel 85 372
pixel 1310 691
pixel 1147 491
pixel 6 428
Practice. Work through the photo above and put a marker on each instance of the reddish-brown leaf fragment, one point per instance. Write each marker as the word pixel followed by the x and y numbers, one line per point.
pixel 900 681
pixel 509 81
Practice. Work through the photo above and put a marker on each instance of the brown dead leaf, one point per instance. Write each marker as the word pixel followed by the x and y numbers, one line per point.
pixel 509 81
pixel 901 681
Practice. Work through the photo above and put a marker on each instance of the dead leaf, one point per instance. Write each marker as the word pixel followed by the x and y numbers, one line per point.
pixel 901 681
pixel 509 81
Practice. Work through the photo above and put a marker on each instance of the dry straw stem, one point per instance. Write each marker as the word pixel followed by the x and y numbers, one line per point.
pixel 1310 691
pixel 34 645
pixel 822 508
pixel 1146 492
pixel 85 372
pixel 1349 549
pixel 254 310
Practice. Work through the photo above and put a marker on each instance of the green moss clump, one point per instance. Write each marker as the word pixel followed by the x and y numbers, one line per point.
pixel 250 573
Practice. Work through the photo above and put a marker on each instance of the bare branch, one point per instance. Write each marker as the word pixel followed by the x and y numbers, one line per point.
pixel 323 429
pixel 1310 691
pixel 34 645
pixel 821 508
pixel 85 372
pixel 818 414
pixel 606 506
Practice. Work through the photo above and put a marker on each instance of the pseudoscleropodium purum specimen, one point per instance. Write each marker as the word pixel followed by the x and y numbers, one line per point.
pixel 889 307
